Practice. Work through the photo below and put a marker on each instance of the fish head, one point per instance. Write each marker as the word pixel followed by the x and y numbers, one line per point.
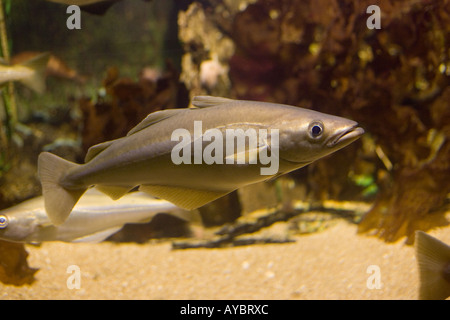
pixel 314 135
pixel 16 226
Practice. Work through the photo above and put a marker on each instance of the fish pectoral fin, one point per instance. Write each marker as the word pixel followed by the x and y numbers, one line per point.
pixel 248 156
pixel 114 192
pixel 96 149
pixel 209 101
pixel 98 236
pixel 185 198
pixel 153 118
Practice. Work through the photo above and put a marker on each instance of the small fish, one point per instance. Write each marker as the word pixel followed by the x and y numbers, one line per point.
pixel 31 73
pixel 144 157
pixel 55 66
pixel 433 257
pixel 95 218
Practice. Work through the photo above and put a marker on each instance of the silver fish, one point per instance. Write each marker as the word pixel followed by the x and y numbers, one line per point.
pixel 95 218
pixel 145 156
pixel 433 258
pixel 31 73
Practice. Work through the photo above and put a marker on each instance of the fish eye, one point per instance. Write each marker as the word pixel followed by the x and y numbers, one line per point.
pixel 3 222
pixel 316 129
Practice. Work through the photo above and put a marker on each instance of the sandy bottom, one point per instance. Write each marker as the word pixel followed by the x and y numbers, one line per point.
pixel 333 264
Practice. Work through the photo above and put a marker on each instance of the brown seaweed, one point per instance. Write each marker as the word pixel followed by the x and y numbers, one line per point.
pixel 394 81
pixel 126 102
pixel 14 268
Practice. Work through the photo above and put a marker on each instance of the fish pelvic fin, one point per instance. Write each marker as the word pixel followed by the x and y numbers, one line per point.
pixel 36 80
pixel 58 200
pixel 433 257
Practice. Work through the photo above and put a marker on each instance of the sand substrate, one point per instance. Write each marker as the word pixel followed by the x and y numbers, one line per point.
pixel 333 264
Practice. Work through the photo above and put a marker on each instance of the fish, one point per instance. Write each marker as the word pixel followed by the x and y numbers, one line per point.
pixel 95 218
pixel 31 73
pixel 144 157
pixel 433 258
pixel 55 66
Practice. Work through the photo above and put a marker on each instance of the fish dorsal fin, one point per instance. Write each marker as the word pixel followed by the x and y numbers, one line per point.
pixel 153 118
pixel 185 198
pixel 96 149
pixel 209 101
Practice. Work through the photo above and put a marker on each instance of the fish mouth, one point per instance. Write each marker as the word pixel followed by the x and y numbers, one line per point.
pixel 346 136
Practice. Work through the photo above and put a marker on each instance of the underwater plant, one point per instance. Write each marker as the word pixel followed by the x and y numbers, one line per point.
pixel 8 100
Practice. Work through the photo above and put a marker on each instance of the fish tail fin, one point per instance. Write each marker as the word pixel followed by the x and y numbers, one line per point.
pixel 36 80
pixel 433 257
pixel 59 201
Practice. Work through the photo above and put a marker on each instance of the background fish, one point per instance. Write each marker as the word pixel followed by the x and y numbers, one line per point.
pixel 55 66
pixel 433 257
pixel 31 73
pixel 94 218
pixel 143 157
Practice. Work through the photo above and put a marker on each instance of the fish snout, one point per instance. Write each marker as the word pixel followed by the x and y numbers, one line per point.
pixel 346 136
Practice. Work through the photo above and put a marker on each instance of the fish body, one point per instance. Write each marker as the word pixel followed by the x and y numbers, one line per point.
pixel 433 258
pixel 31 73
pixel 94 218
pixel 145 156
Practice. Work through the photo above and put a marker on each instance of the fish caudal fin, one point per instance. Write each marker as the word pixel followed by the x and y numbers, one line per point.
pixel 433 257
pixel 36 80
pixel 59 201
